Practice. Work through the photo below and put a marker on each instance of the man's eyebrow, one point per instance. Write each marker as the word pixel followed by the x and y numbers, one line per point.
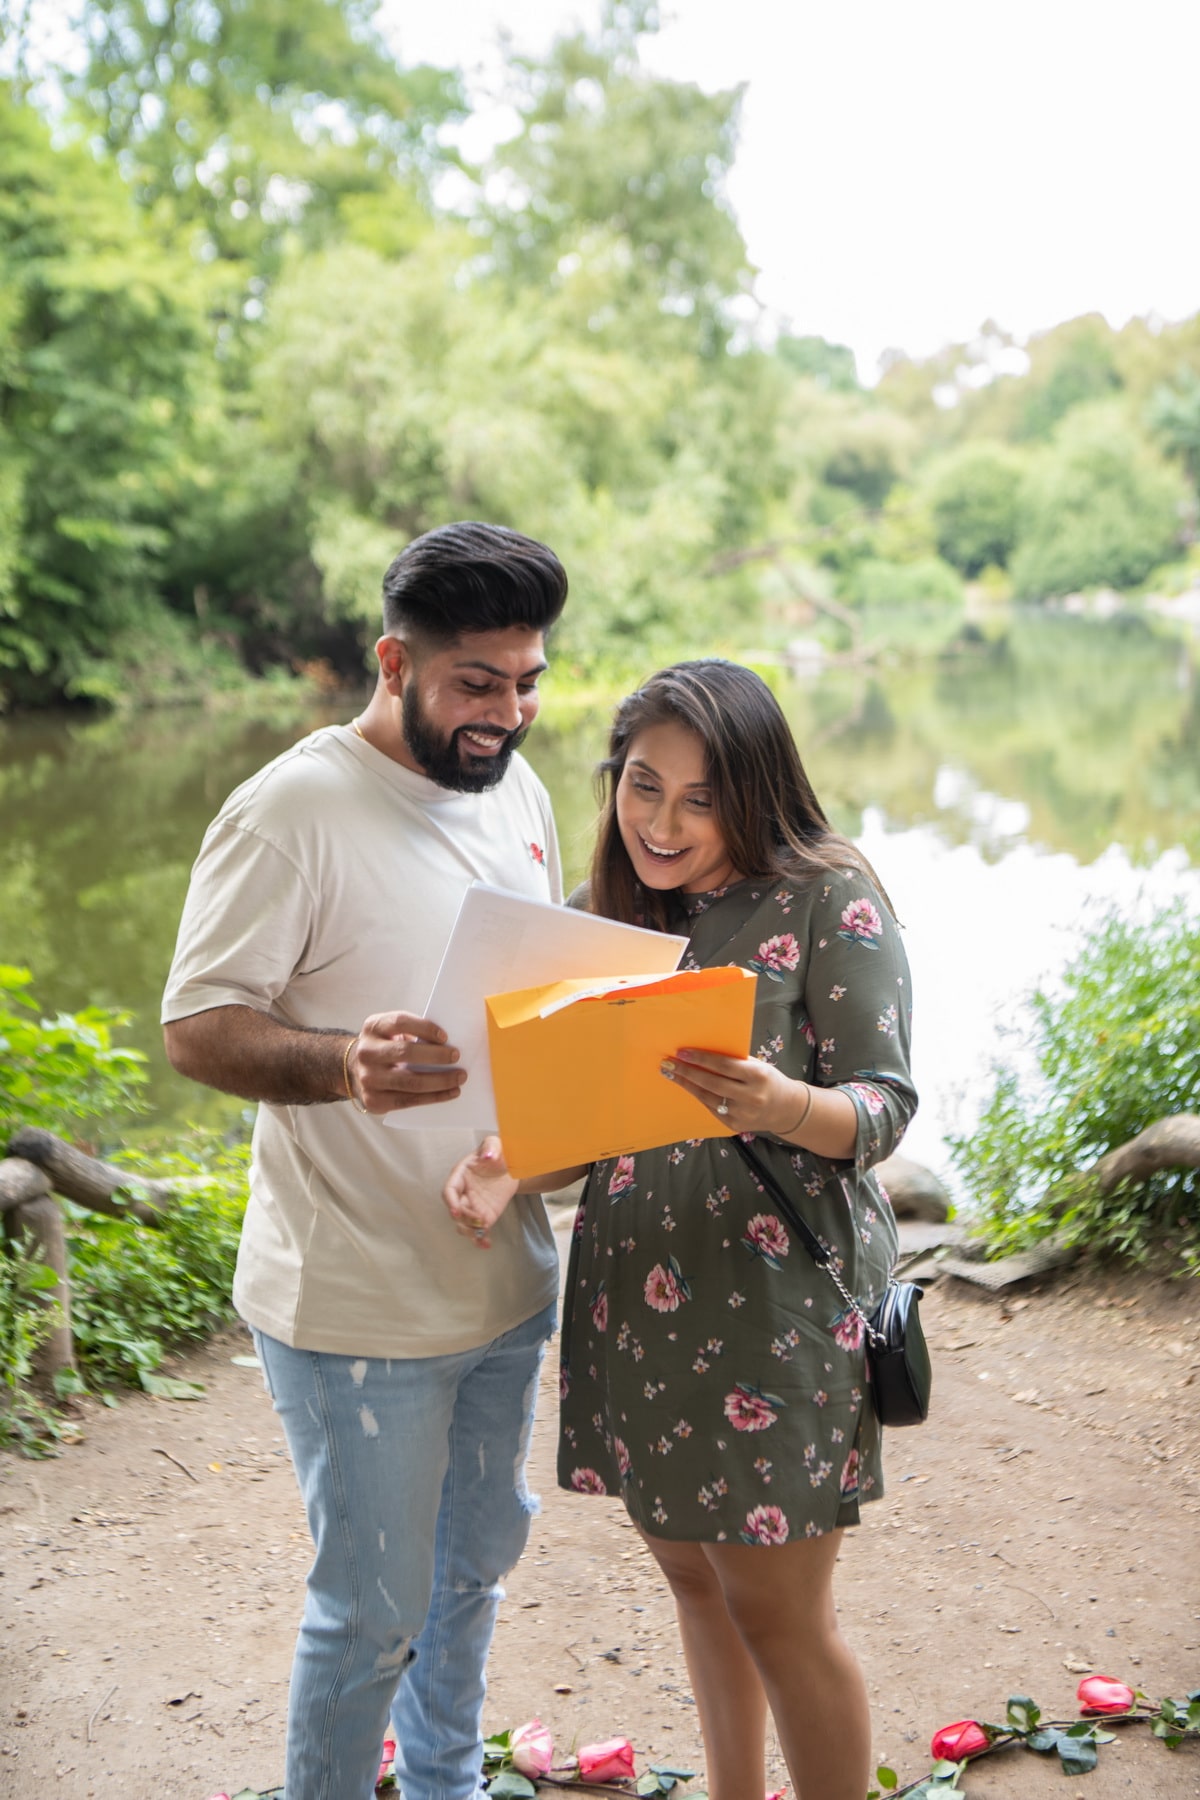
pixel 470 662
pixel 639 762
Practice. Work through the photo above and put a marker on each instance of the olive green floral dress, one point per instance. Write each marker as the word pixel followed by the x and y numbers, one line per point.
pixel 711 1374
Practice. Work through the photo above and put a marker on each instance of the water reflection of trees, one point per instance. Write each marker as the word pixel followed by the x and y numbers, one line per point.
pixel 1095 728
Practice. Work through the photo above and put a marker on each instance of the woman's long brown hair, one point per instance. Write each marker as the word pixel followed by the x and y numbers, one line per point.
pixel 763 802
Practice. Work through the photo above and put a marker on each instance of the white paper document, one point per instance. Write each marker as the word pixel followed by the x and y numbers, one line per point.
pixel 501 942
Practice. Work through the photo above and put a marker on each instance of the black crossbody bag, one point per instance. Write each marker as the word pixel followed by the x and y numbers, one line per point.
pixel 897 1354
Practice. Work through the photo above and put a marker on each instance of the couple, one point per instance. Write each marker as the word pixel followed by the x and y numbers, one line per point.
pixel 710 1376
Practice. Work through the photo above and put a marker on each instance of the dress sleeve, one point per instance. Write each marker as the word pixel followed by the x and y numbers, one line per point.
pixel 858 999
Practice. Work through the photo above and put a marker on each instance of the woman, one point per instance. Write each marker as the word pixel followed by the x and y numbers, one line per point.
pixel 711 1374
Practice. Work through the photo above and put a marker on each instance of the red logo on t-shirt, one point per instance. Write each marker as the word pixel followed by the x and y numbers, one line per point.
pixel 538 855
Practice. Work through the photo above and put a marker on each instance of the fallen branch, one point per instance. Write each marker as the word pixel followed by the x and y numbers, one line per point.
pixel 1171 1143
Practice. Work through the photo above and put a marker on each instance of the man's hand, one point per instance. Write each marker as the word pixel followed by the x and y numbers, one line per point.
pixel 397 1061
pixel 478 1189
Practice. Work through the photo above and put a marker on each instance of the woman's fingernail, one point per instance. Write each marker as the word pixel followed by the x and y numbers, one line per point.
pixel 667 1069
pixel 685 1056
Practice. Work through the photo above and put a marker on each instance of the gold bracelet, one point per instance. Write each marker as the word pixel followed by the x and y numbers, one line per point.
pixel 350 1094
pixel 793 1129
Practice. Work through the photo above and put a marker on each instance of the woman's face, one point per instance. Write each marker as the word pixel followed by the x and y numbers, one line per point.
pixel 665 814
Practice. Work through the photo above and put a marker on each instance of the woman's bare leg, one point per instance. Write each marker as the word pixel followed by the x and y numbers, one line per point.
pixel 780 1599
pixel 730 1699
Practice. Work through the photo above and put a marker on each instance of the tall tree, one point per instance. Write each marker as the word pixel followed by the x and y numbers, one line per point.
pixel 252 122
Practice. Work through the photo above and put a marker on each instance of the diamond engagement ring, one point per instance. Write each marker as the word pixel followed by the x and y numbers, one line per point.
pixel 722 1109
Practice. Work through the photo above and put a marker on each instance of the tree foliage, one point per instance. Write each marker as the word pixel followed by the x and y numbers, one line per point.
pixel 260 323
pixel 1116 1049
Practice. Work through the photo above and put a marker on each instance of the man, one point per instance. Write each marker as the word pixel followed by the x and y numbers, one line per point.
pixel 404 1371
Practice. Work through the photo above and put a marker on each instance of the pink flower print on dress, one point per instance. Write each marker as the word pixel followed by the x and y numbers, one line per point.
pixel 860 923
pixel 622 1455
pixel 766 1237
pixel 765 1525
pixel 871 1098
pixel 622 1178
pixel 748 1409
pixel 599 1309
pixel 586 1481
pixel 666 1289
pixel 848 1331
pixel 776 955
pixel 850 1476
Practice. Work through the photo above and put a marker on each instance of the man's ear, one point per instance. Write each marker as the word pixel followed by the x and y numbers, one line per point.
pixel 395 662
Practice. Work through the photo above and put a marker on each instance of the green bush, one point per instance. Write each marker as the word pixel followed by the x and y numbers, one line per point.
pixel 973 493
pixel 54 1073
pixel 1100 508
pixel 877 583
pixel 138 1290
pixel 1118 1048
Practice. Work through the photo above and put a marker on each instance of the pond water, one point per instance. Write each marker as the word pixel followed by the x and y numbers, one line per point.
pixel 1006 794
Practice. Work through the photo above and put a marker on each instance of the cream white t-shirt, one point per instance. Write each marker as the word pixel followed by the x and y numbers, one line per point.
pixel 325 890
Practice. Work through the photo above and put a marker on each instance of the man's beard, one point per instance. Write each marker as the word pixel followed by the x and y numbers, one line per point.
pixel 440 757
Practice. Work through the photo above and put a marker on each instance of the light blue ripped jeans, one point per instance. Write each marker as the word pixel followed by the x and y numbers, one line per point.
pixel 412 1473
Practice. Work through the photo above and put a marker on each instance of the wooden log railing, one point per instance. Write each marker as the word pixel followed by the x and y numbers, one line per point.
pixel 40 1166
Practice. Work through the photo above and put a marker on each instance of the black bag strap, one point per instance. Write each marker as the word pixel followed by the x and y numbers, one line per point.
pixel 816 1249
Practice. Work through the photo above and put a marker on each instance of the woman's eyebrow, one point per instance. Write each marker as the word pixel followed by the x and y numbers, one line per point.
pixel 638 762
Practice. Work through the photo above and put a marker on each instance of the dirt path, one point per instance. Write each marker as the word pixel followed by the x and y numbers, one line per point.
pixel 1046 1520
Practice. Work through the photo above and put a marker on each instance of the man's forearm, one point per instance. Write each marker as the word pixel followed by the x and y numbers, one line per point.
pixel 244 1052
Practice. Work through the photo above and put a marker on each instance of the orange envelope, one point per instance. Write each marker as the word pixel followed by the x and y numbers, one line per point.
pixel 575 1064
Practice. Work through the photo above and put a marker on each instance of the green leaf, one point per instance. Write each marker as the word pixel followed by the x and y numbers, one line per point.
pixel 649 1783
pixel 1077 1755
pixel 511 1786
pixel 1022 1714
pixel 167 1387
pixel 1043 1740
pixel 675 1774
pixel 887 1778
pixel 68 1382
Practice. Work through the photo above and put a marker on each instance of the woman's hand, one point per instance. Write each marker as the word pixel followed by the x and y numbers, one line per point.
pixel 742 1092
pixel 477 1191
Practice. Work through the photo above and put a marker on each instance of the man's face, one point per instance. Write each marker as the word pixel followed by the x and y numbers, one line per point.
pixel 465 708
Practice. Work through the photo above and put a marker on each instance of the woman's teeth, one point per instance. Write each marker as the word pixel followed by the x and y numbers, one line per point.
pixel 660 855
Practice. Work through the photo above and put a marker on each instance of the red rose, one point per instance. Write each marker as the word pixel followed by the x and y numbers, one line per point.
pixel 1101 1694
pixel 610 1761
pixel 964 1738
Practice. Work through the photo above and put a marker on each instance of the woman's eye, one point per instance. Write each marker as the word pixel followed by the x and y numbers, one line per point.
pixel 699 805
pixel 642 787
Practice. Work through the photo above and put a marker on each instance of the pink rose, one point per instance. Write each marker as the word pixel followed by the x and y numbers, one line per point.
pixel 749 1410
pixel 779 953
pixel 860 920
pixel 622 1178
pixel 387 1758
pixel 532 1749
pixel 766 1235
pixel 663 1290
pixel 848 1332
pixel 1101 1694
pixel 765 1525
pixel 953 1742
pixel 610 1761
pixel 586 1481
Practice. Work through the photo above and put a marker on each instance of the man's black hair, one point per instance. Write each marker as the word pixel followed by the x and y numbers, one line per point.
pixel 470 577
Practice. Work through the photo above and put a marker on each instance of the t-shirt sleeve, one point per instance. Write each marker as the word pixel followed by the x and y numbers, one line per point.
pixel 246 920
pixel 858 1000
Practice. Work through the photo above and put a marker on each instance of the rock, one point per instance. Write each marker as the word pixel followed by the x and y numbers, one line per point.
pixel 914 1191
